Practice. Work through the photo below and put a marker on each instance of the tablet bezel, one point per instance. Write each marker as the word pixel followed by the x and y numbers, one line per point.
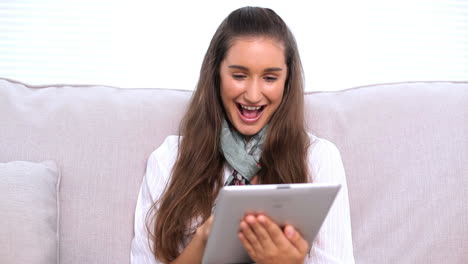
pixel 285 203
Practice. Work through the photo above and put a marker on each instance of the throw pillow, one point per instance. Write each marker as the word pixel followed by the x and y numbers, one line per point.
pixel 29 212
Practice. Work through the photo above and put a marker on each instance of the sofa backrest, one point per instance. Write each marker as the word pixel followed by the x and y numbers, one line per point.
pixel 101 138
pixel 404 148
pixel 405 152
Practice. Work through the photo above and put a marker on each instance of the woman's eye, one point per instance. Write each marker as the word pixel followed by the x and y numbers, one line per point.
pixel 238 76
pixel 271 78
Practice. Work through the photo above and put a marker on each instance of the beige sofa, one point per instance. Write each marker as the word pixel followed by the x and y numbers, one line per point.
pixel 404 148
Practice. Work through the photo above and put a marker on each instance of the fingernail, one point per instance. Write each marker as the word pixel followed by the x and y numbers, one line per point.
pixel 243 225
pixel 250 219
pixel 289 232
pixel 261 219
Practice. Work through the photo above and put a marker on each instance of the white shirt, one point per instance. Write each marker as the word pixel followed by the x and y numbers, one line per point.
pixel 333 243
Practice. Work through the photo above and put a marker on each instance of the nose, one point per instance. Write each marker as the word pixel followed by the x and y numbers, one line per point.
pixel 253 92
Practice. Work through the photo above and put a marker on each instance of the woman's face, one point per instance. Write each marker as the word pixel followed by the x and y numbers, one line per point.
pixel 253 75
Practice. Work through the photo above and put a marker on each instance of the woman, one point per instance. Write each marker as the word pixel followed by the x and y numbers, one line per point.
pixel 244 125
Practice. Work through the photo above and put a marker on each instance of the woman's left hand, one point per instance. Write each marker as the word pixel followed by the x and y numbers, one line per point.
pixel 265 242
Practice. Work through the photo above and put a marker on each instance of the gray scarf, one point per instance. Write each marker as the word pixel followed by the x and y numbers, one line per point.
pixel 244 157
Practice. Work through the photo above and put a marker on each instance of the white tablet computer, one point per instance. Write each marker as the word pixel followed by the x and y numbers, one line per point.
pixel 304 206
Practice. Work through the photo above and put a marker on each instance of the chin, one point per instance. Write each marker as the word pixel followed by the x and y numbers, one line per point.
pixel 247 131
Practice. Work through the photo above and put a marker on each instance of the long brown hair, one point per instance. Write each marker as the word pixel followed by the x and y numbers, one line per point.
pixel 197 174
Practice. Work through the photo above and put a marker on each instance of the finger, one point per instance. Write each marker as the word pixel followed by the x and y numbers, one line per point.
pixel 206 228
pixel 209 222
pixel 296 239
pixel 248 247
pixel 250 236
pixel 274 231
pixel 262 234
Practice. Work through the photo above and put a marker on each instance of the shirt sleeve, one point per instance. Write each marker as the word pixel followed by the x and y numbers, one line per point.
pixel 333 243
pixel 158 171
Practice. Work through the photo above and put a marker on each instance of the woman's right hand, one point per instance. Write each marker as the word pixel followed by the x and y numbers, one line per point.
pixel 203 231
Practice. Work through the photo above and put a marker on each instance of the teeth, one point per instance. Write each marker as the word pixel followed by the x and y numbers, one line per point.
pixel 251 108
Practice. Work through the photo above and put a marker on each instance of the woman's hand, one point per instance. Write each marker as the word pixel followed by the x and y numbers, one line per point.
pixel 265 242
pixel 203 231
pixel 193 252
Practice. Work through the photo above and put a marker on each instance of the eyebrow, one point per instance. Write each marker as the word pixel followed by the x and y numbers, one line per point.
pixel 246 69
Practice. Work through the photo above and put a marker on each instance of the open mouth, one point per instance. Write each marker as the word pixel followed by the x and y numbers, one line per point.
pixel 250 112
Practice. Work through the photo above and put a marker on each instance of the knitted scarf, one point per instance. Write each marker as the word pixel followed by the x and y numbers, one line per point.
pixel 243 156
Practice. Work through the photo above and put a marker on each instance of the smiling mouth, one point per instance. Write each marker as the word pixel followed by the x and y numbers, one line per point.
pixel 250 112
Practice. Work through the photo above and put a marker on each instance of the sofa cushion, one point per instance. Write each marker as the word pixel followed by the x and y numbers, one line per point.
pixel 29 212
pixel 405 152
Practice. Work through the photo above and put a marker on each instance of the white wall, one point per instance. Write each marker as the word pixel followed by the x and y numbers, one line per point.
pixel 143 43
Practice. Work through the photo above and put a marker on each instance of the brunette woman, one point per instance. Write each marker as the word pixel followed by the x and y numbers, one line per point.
pixel 244 125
